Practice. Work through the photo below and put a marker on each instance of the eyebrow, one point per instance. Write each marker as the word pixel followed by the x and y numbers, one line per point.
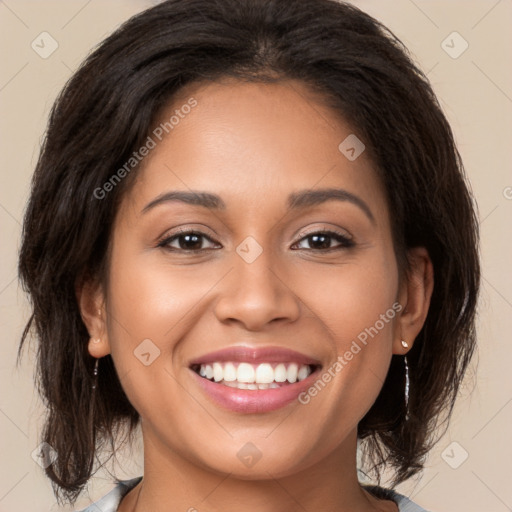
pixel 296 200
pixel 306 198
pixel 195 198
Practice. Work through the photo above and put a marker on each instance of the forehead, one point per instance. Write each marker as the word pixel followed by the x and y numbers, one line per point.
pixel 252 144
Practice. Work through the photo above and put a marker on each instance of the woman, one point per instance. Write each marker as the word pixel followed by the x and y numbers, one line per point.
pixel 249 233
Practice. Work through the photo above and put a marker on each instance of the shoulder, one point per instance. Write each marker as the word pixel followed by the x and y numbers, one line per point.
pixel 110 501
pixel 404 503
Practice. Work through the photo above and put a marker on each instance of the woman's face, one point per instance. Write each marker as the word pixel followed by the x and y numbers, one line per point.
pixel 317 276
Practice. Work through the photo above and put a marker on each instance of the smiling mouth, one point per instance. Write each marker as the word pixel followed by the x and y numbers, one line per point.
pixel 243 375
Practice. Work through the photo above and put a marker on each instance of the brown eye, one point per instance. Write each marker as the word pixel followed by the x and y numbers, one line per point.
pixel 187 241
pixel 323 240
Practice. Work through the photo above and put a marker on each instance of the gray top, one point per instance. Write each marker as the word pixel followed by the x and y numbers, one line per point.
pixel 110 501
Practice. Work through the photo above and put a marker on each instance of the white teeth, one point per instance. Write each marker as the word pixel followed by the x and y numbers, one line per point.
pixel 280 373
pixel 245 373
pixel 249 376
pixel 229 372
pixel 291 374
pixel 231 384
pixel 218 373
pixel 264 374
pixel 243 385
pixel 303 372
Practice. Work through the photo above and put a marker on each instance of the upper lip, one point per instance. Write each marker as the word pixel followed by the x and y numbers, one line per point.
pixel 244 353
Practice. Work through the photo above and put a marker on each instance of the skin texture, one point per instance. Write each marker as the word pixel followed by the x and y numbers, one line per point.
pixel 253 145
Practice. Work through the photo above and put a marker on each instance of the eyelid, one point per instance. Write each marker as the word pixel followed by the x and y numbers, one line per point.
pixel 346 241
pixel 325 229
pixel 164 240
pixel 195 228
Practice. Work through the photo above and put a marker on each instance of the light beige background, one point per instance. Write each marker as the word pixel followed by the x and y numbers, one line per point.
pixel 475 91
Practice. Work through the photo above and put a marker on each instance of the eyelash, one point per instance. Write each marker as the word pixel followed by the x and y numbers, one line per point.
pixel 344 241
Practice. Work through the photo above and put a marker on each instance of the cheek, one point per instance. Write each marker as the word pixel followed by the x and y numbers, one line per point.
pixel 150 308
pixel 154 302
pixel 356 305
pixel 350 299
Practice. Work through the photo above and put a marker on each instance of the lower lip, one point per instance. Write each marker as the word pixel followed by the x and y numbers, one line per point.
pixel 254 401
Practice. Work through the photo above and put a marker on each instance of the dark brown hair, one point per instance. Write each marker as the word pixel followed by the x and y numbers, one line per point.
pixel 106 111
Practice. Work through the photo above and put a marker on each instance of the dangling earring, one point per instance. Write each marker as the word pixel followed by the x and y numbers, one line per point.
pixel 406 389
pixel 95 373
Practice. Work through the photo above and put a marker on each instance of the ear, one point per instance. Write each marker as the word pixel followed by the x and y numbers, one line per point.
pixel 415 294
pixel 91 302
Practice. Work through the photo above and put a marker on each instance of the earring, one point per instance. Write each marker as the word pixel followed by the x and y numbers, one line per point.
pixel 405 344
pixel 95 373
pixel 406 389
pixel 96 340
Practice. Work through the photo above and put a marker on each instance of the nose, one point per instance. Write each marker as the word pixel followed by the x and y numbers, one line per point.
pixel 255 294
